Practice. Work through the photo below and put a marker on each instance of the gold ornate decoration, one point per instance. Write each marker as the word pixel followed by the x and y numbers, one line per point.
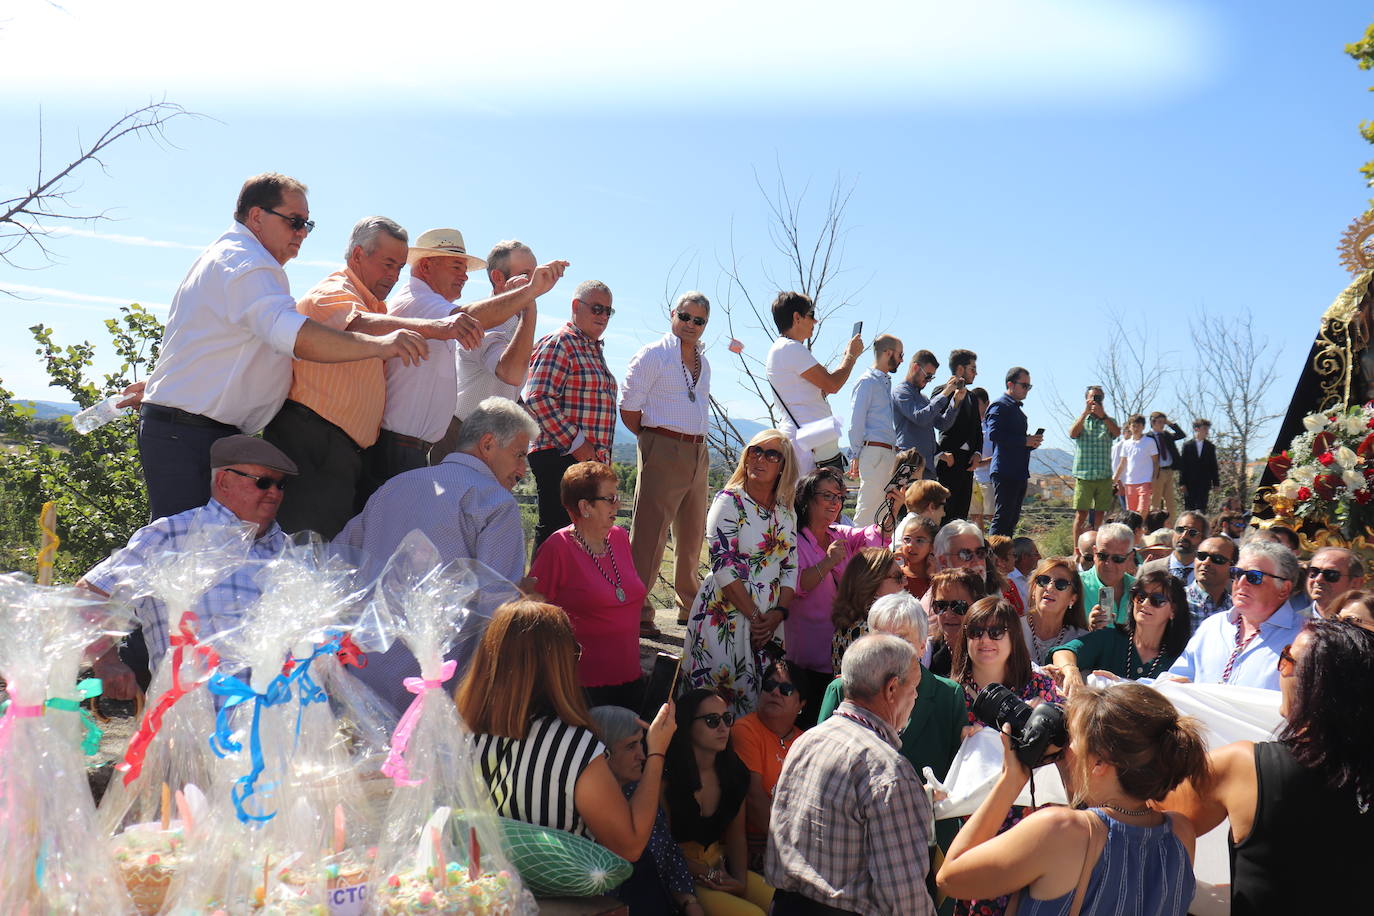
pixel 1344 333
pixel 1357 244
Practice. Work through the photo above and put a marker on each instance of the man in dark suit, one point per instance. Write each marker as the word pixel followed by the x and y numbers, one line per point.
pixel 961 446
pixel 1197 467
pixel 1163 494
pixel 1011 451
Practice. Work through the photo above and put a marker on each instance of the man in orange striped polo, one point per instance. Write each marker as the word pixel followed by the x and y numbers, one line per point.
pixel 334 411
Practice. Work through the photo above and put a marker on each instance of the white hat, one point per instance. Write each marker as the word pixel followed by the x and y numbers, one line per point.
pixel 439 243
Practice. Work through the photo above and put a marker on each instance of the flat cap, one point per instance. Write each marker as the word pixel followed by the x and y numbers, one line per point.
pixel 249 450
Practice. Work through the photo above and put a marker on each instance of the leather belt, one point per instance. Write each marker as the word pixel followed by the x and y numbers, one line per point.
pixel 887 445
pixel 414 442
pixel 672 434
pixel 184 417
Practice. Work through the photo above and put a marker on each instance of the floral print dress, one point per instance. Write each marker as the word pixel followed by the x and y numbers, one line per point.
pixel 758 548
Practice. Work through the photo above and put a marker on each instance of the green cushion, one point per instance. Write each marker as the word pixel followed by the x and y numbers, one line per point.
pixel 553 863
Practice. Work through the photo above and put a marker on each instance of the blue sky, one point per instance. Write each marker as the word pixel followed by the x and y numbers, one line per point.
pixel 1022 171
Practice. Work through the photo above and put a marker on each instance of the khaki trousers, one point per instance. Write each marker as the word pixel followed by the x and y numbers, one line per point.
pixel 670 490
pixel 1164 496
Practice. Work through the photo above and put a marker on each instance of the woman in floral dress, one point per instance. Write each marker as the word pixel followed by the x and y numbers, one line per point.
pixel 735 628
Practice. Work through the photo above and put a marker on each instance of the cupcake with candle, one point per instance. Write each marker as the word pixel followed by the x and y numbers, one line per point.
pixel 148 856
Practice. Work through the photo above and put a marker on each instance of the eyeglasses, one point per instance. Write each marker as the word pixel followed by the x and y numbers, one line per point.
pixel 1286 661
pixel 995 632
pixel 577 651
pixel 1328 575
pixel 262 483
pixel 599 309
pixel 770 684
pixel 831 496
pixel 1059 584
pixel 297 223
pixel 899 577
pixel 1254 576
pixel 957 606
pixel 713 719
pixel 1026 385
pixel 1156 599
pixel 771 455
pixel 966 554
pixel 1220 559
pixel 1188 530
pixel 1113 557
pixel 685 318
pixel 614 499
pixel 807 314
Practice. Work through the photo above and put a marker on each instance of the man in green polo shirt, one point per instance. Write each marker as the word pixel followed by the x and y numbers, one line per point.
pixel 1114 545
pixel 1092 434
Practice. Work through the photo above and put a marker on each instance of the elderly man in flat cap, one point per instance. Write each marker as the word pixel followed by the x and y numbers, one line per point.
pixel 247 478
pixel 421 398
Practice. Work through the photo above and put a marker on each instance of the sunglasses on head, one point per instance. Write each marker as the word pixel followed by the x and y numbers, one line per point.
pixel 958 606
pixel 684 318
pixel 1102 556
pixel 995 632
pixel 1328 575
pixel 262 483
pixel 1220 559
pixel 1059 584
pixel 713 719
pixel 771 684
pixel 966 554
pixel 1156 599
pixel 1254 576
pixel 771 455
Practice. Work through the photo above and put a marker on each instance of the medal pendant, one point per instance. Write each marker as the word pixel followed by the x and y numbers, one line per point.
pixel 620 594
pixel 692 396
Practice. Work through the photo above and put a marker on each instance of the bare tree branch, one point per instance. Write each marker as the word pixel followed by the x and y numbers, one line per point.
pixel 1132 369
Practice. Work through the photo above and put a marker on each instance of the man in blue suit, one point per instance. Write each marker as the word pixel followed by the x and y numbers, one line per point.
pixel 1011 451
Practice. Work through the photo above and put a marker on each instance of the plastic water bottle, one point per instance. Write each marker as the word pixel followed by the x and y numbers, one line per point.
pixel 97 415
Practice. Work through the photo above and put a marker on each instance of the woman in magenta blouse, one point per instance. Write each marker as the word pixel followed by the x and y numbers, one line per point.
pixel 586 569
pixel 824 548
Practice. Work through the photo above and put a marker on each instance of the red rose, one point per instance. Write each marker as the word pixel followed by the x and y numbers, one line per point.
pixel 1304 494
pixel 1325 485
pixel 1370 423
pixel 1322 442
pixel 1327 459
pixel 1280 464
pixel 1368 473
pixel 1363 496
pixel 1366 446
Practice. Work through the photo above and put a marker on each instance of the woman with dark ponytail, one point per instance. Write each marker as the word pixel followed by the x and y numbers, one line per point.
pixel 1300 808
pixel 1128 748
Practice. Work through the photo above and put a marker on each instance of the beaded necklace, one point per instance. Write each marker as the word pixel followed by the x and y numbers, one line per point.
pixel 616 582
pixel 693 377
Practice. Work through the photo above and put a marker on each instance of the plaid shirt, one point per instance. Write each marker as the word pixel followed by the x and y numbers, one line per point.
pixel 1200 606
pixel 222 605
pixel 851 823
pixel 571 393
pixel 1092 452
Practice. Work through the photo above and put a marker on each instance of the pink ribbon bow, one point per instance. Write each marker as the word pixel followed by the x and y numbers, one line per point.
pixel 15 710
pixel 396 766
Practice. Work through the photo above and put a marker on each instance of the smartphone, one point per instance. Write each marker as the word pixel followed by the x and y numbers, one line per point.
pixel 858 329
pixel 1106 599
pixel 1040 431
pixel 662 684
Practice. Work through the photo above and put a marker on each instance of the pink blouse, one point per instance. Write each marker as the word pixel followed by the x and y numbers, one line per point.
pixel 809 629
pixel 607 627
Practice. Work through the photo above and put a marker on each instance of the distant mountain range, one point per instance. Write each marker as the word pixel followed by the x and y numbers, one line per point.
pixel 48 410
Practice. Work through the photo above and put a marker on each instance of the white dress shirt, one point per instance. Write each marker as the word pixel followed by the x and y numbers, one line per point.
pixel 231 335
pixel 421 399
pixel 477 379
pixel 656 383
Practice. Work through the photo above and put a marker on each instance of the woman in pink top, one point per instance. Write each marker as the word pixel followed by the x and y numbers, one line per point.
pixel 586 569
pixel 824 548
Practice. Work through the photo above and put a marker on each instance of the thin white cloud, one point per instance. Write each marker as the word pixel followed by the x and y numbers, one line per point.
pixel 50 297
pixel 141 241
pixel 722 54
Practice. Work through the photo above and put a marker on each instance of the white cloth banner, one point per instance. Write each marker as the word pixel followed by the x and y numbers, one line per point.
pixel 1227 714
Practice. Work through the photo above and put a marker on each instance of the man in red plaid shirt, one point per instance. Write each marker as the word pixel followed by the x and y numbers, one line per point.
pixel 572 395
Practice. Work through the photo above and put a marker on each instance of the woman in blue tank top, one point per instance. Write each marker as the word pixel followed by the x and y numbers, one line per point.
pixel 1128 746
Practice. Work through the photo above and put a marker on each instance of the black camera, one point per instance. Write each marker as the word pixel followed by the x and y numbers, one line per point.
pixel 1032 730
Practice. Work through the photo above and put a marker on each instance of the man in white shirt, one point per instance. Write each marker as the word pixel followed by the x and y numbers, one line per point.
pixel 225 365
pixel 499 366
pixel 665 401
pixel 421 400
pixel 872 428
pixel 1026 555
pixel 800 382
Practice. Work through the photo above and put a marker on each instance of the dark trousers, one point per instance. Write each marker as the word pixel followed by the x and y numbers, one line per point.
pixel 390 455
pixel 1008 495
pixel 630 695
pixel 547 466
pixel 812 685
pixel 324 495
pixel 790 903
pixel 174 449
pixel 959 483
pixel 1195 498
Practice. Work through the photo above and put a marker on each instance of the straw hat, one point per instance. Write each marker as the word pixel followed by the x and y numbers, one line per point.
pixel 439 243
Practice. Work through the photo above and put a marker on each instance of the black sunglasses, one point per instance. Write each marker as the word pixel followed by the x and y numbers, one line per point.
pixel 684 317
pixel 713 719
pixel 966 554
pixel 994 632
pixel 1156 599
pixel 1329 575
pixel 1188 530
pixel 958 606
pixel 297 223
pixel 1059 584
pixel 1254 576
pixel 770 684
pixel 1220 559
pixel 262 483
pixel 1114 557
pixel 771 455
pixel 599 309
